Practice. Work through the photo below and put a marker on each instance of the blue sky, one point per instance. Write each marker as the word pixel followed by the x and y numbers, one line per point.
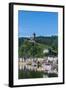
pixel 42 23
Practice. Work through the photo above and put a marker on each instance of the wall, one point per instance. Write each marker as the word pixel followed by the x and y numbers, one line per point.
pixel 4 44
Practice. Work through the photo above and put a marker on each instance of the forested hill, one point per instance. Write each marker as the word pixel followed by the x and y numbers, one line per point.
pixel 27 47
pixel 53 40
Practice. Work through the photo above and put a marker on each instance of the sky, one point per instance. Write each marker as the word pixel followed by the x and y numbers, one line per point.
pixel 41 23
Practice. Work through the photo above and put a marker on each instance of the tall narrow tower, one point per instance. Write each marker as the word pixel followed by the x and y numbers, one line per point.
pixel 34 35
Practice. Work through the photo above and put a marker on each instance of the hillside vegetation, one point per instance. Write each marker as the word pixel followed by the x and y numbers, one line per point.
pixel 29 49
